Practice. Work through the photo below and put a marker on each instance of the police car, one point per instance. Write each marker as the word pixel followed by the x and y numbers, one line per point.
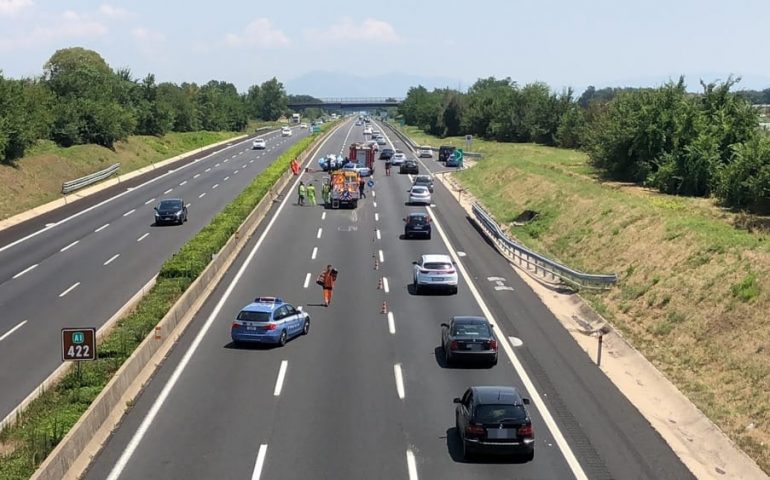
pixel 269 320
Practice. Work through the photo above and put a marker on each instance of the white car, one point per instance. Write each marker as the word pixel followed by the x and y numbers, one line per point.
pixel 381 141
pixel 435 271
pixel 425 151
pixel 303 125
pixel 286 132
pixel 367 130
pixel 259 144
pixel 397 159
pixel 360 170
pixel 419 194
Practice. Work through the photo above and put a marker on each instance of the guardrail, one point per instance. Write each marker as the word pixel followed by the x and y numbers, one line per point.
pixel 81 182
pixel 410 143
pixel 540 262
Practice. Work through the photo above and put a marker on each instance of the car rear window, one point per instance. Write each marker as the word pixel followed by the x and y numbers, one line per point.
pixel 472 329
pixel 437 266
pixel 418 219
pixel 254 316
pixel 170 204
pixel 419 189
pixel 499 413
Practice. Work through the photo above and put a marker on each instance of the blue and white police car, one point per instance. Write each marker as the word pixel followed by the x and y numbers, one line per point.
pixel 269 320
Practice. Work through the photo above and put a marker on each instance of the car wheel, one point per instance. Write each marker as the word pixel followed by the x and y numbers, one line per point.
pixel 416 288
pixel 454 290
pixel 306 327
pixel 406 235
pixel 282 339
pixel 429 236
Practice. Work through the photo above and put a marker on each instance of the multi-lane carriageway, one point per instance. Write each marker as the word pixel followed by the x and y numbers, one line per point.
pixel 365 395
pixel 77 266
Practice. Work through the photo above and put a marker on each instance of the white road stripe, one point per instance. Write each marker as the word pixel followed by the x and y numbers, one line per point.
pixel 70 246
pixel 236 172
pixel 385 285
pixel 260 462
pixel 315 252
pixel 202 195
pixel 215 185
pixel 374 194
pixel 196 175
pixel 9 332
pixel 376 217
pixel 101 228
pixel 391 323
pixel 142 237
pixel 188 205
pixel 378 234
pixel 251 161
pixel 374 204
pixel 382 258
pixel 227 178
pixel 320 231
pixel 111 259
pixel 184 182
pixel 168 191
pixel 307 281
pixel 149 201
pixel 323 216
pixel 129 212
pixel 217 164
pixel 281 376
pixel 399 380
pixel 208 169
pixel 73 287
pixel 243 166
pixel 25 271
pixel 411 465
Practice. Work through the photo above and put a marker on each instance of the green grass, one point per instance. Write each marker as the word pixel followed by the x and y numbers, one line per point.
pixel 44 423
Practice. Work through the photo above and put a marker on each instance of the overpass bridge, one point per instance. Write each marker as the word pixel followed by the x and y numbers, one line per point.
pixel 349 103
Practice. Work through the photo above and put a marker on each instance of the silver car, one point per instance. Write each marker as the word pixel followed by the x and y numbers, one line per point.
pixel 419 194
pixel 397 159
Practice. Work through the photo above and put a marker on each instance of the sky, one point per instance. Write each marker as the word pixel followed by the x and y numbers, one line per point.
pixel 561 42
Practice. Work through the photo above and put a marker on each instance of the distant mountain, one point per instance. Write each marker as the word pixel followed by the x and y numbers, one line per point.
pixel 323 84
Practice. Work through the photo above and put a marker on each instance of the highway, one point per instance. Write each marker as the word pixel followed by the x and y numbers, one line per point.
pixel 78 265
pixel 366 395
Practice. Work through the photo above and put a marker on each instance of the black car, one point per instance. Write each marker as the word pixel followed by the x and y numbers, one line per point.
pixel 417 223
pixel 494 420
pixel 444 152
pixel 409 166
pixel 171 210
pixel 469 338
pixel 386 153
pixel 425 181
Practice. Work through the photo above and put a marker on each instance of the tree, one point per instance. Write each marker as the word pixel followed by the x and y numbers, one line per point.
pixel 274 101
pixel 253 102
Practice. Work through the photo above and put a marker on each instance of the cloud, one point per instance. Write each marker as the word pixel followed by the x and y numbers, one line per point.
pixel 370 30
pixel 70 25
pixel 260 34
pixel 11 7
pixel 142 34
pixel 117 13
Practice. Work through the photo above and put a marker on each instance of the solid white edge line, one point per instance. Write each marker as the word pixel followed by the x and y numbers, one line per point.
pixel 391 323
pixel 385 285
pixel 569 455
pixel 73 287
pixel 111 259
pixel 382 258
pixel 281 376
pixel 307 281
pixel 121 463
pixel 101 228
pixel 260 463
pixel 320 231
pixel 25 271
pixel 129 212
pixel 9 332
pixel 411 465
pixel 315 252
pixel 399 380
pixel 70 246
pixel 142 237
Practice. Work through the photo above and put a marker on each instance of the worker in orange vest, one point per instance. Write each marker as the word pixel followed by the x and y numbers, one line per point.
pixel 326 279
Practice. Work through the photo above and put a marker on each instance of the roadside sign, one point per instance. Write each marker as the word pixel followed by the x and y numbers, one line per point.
pixel 316 129
pixel 78 344
pixel 468 141
pixel 458 157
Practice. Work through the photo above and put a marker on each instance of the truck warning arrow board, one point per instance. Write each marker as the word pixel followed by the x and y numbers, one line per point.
pixel 78 344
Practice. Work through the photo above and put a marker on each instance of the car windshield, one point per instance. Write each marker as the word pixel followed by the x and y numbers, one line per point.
pixel 470 329
pixel 170 204
pixel 500 413
pixel 437 266
pixel 254 316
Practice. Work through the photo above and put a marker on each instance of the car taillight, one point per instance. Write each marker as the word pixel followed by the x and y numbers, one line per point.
pixel 271 326
pixel 454 345
pixel 475 431
pixel 493 344
pixel 236 325
pixel 526 431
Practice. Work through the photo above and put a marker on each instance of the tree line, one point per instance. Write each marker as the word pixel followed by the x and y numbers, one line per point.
pixel 698 144
pixel 79 99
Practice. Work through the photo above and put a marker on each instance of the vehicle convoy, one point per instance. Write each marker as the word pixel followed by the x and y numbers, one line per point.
pixel 269 320
pixel 363 155
pixel 344 189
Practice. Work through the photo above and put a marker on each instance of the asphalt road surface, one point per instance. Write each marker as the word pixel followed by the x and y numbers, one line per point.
pixel 76 267
pixel 366 395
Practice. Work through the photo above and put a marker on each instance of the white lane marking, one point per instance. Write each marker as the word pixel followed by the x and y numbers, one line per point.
pixel 215 185
pixel 243 166
pixel 320 231
pixel 111 259
pixel 251 161
pixel 217 164
pixel 515 341
pixel 374 194
pixel 307 281
pixel 129 212
pixel 25 271
pixel 376 217
pixel 184 182
pixel 73 287
pixel 236 172
pixel 70 246
pixel 101 228
pixel 323 216
pixel 382 259
pixel 227 178
pixel 208 169
pixel 378 235
pixel 391 323
pixel 315 252
pixel 374 204
pixel 234 155
pixel 411 465
pixel 202 195
pixel 168 191
pixel 149 201
pixel 128 452
pixel 460 254
pixel 196 175
pixel 385 285
pixel 399 380
pixel 569 455
pixel 9 332
pixel 281 376
pixel 142 237
pixel 188 205
pixel 260 462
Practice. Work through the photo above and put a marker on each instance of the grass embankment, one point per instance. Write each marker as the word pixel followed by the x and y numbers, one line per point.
pixel 45 422
pixel 36 178
pixel 694 293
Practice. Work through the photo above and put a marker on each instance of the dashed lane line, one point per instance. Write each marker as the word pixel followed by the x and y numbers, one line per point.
pixel 307 280
pixel 73 287
pixel 112 259
pixel 101 228
pixel 28 269
pixel 70 246
pixel 9 332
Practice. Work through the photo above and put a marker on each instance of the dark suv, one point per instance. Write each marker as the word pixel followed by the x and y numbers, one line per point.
pixel 386 153
pixel 171 210
pixel 494 420
pixel 417 223
pixel 444 152
pixel 409 166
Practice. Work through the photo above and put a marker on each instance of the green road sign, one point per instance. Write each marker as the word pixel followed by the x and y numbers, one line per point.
pixel 316 129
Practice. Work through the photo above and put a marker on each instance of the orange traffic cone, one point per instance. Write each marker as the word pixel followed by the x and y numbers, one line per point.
pixel 384 308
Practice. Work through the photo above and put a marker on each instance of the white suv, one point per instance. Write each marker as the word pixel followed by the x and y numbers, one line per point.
pixel 435 271
pixel 286 132
pixel 397 159
pixel 425 151
pixel 259 144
